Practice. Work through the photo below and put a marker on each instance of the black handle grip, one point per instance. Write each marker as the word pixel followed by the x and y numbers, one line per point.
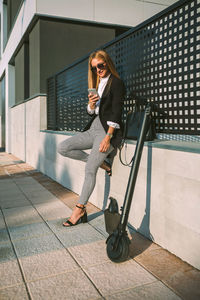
pixel 139 100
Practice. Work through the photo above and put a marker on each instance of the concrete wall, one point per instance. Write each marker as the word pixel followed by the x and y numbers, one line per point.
pixel 165 205
pixel 2 112
pixel 27 119
pixel 20 75
pixel 54 45
pixel 1 132
pixel 127 12
pixel 12 9
pixel 63 43
pixel 34 60
pixel 9 102
pixel 24 18
pixel 18 131
pixel 35 121
pixel 3 9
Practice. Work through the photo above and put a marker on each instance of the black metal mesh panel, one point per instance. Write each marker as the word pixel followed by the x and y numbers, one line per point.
pixel 159 60
pixel 71 91
pixel 51 104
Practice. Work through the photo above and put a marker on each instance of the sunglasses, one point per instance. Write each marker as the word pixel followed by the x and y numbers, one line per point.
pixel 99 66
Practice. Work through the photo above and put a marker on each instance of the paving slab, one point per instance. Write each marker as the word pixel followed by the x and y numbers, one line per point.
pixel 3 174
pixel 48 264
pixel 41 197
pixel 29 231
pixel 21 216
pixel 12 162
pixel 30 187
pixel 25 180
pixel 14 198
pixel 36 245
pixel 6 163
pixel 69 198
pixel 186 284
pixel 4 237
pixel 2 223
pixel 90 254
pixel 9 190
pixel 28 183
pixel 99 224
pixel 110 278
pixel 171 270
pixel 10 193
pixel 17 292
pixel 7 183
pixel 13 170
pixel 75 235
pixel 140 245
pixel 68 286
pixel 53 210
pixel 17 202
pixel 152 291
pixel 10 274
pixel 6 252
pixel 34 193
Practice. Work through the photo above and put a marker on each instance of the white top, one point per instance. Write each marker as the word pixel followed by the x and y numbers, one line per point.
pixel 102 84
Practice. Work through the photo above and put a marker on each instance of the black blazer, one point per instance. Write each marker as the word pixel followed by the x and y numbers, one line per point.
pixel 110 108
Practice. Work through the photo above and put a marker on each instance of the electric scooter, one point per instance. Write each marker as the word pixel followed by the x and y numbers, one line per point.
pixel 118 241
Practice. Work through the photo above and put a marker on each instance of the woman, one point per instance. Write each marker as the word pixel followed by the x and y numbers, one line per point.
pixel 102 134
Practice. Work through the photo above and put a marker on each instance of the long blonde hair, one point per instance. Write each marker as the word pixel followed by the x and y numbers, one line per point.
pixel 93 78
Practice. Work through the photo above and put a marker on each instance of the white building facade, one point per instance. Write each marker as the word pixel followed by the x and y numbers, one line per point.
pixel 41 37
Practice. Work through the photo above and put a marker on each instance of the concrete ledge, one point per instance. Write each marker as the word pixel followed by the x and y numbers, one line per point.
pixel 68 133
pixel 162 144
pixel 28 99
pixel 177 146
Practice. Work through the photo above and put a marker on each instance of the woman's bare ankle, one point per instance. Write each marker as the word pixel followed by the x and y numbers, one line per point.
pixel 80 205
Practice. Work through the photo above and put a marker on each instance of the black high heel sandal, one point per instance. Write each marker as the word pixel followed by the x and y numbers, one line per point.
pixel 109 172
pixel 82 219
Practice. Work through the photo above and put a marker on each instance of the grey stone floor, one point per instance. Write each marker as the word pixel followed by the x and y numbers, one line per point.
pixel 40 259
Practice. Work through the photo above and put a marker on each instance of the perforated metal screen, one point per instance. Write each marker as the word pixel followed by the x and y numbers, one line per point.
pixel 159 60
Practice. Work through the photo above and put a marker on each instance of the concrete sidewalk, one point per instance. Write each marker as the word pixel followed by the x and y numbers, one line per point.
pixel 40 259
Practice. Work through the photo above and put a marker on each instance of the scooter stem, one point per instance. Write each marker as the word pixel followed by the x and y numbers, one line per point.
pixel 134 170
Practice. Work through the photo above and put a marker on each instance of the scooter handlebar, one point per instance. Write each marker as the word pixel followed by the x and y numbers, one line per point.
pixel 157 109
pixel 144 102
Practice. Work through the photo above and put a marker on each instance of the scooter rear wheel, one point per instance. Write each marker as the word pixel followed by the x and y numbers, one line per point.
pixel 118 248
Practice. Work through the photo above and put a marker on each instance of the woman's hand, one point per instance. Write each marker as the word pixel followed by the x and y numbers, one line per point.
pixel 92 100
pixel 105 144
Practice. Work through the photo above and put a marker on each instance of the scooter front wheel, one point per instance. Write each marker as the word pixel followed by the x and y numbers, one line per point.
pixel 118 247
